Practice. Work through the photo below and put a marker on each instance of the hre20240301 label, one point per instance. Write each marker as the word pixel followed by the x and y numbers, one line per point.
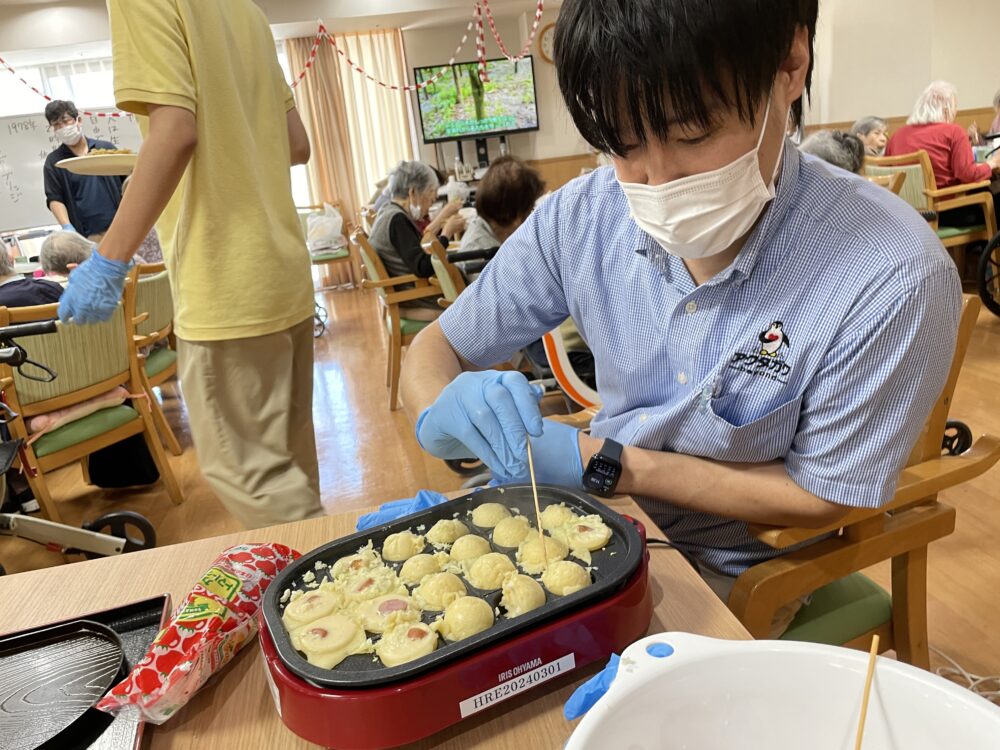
pixel 516 685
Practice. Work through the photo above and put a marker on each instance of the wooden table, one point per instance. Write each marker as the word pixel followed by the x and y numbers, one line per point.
pixel 236 710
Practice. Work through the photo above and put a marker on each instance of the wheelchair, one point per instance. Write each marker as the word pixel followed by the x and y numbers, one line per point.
pixel 988 276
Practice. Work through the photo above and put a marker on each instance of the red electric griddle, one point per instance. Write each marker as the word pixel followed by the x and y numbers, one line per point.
pixel 362 705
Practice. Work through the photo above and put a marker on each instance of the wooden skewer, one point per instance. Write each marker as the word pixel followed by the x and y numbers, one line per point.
pixel 872 656
pixel 538 510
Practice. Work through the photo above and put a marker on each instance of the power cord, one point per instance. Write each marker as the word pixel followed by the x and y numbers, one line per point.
pixel 974 682
pixel 659 542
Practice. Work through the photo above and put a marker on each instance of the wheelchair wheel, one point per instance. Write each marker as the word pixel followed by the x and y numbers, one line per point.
pixel 135 529
pixel 988 276
pixel 957 438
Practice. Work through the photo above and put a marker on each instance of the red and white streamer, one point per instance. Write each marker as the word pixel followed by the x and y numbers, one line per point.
pixel 323 33
pixel 312 56
pixel 539 9
pixel 481 45
pixel 396 87
pixel 46 97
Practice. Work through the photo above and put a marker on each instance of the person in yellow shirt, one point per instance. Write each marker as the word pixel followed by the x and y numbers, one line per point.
pixel 221 132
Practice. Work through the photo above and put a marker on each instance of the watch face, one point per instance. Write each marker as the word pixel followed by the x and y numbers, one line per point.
pixel 602 474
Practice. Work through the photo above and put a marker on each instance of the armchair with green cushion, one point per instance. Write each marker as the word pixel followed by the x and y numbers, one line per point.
pixel 149 315
pixel 391 294
pixel 847 607
pixel 88 360
pixel 333 256
pixel 920 191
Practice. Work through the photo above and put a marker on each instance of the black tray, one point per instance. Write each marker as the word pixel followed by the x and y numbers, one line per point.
pixel 135 626
pixel 613 565
pixel 50 679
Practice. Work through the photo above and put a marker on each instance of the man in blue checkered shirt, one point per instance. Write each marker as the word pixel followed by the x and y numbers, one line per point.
pixel 770 332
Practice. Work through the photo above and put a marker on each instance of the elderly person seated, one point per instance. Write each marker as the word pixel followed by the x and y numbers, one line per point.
pixel 505 197
pixel 873 132
pixel 931 127
pixel 396 238
pixel 838 148
pixel 61 252
pixel 17 291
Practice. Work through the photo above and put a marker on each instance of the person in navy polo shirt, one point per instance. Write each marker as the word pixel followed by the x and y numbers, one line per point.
pixel 769 333
pixel 79 203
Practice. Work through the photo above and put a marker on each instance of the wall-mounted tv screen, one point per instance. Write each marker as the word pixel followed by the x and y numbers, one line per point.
pixel 458 105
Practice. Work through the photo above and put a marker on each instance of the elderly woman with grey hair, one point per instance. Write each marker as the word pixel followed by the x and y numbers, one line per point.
pixel 395 237
pixel 62 250
pixel 932 128
pixel 836 147
pixel 873 132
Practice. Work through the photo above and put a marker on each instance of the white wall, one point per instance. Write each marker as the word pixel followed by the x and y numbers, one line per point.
pixel 876 56
pixel 556 135
pixel 25 27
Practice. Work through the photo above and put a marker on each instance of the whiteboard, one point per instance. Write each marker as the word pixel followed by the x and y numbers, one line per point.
pixel 24 144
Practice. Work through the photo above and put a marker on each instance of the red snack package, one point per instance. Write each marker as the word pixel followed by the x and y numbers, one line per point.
pixel 213 622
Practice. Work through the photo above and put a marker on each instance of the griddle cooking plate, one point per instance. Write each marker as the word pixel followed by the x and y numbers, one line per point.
pixel 50 678
pixel 612 567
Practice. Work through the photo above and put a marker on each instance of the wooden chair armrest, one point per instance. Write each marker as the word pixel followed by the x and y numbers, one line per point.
pixel 6 383
pixel 915 482
pixel 443 303
pixel 408 295
pixel 140 318
pixel 975 199
pixel 956 189
pixel 386 283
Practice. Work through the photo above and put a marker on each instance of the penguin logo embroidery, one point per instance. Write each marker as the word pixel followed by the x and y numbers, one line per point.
pixel 769 357
pixel 773 340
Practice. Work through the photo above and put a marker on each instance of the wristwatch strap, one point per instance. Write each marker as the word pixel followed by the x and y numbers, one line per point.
pixel 612 449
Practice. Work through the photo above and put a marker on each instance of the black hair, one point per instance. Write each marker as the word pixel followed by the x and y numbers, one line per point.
pixel 620 63
pixel 57 109
pixel 508 191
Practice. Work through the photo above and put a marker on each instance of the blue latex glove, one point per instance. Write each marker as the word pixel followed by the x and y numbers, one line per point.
pixel 399 508
pixel 585 696
pixel 485 415
pixel 68 228
pixel 94 290
pixel 556 455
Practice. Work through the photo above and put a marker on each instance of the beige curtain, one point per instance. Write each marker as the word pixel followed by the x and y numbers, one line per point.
pixel 320 101
pixel 377 119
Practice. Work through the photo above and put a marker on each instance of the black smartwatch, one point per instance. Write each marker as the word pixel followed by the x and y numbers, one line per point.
pixel 604 470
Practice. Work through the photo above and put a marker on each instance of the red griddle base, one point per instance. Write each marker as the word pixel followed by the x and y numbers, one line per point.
pixel 403 712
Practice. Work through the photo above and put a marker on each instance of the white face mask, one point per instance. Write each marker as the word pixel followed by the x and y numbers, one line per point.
pixel 702 215
pixel 416 212
pixel 69 135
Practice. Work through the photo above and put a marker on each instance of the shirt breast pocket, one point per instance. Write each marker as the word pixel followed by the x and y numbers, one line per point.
pixel 753 440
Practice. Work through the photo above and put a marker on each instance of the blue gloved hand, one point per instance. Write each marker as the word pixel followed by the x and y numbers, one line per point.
pixel 399 508
pixel 485 415
pixel 585 696
pixel 68 228
pixel 556 455
pixel 94 290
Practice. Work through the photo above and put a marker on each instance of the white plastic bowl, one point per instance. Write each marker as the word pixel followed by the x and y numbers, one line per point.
pixel 711 694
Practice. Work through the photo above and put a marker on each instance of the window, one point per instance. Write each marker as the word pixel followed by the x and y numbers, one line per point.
pixel 88 83
pixel 16 98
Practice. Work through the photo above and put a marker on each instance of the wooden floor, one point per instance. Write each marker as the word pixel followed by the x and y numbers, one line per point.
pixel 368 455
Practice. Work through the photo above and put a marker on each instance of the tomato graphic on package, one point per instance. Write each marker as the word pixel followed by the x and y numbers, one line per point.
pixel 216 618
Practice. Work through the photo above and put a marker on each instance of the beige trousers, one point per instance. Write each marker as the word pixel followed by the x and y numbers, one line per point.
pixel 250 407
